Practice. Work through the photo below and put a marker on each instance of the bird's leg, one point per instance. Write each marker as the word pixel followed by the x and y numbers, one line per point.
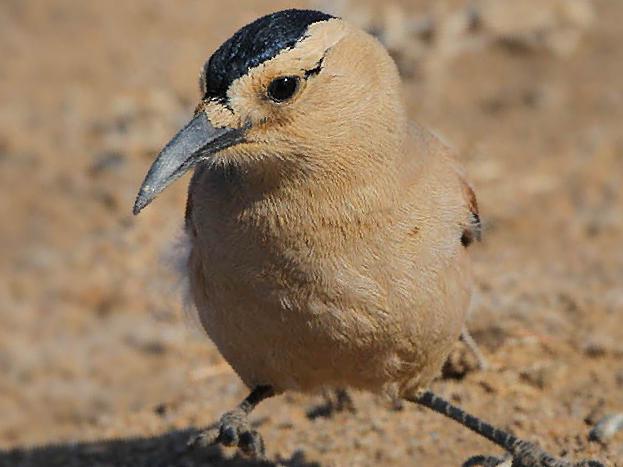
pixel 335 400
pixel 343 401
pixel 234 428
pixel 469 341
pixel 525 454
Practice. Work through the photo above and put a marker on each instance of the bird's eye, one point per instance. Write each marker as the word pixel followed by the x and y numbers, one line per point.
pixel 282 89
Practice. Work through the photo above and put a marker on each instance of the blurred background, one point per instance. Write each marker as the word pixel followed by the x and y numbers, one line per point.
pixel 97 363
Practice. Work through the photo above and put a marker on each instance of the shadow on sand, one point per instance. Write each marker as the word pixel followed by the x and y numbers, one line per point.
pixel 166 450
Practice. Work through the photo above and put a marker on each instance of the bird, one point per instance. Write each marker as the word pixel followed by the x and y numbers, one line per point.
pixel 328 234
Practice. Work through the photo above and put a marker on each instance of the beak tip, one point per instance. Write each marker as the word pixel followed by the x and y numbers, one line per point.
pixel 140 203
pixel 195 141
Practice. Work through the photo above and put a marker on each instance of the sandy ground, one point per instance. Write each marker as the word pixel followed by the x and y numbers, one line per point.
pixel 98 364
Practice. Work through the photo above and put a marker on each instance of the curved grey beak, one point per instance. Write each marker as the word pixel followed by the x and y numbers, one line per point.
pixel 193 143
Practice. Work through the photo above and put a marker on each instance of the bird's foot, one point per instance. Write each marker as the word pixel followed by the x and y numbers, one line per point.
pixel 526 454
pixel 232 430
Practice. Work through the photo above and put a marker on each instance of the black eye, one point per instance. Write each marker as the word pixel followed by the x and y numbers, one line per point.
pixel 282 89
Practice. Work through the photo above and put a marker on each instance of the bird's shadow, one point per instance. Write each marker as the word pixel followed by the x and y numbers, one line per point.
pixel 165 450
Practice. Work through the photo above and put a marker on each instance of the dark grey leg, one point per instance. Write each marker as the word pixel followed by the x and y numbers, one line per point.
pixel 525 454
pixel 343 401
pixel 234 428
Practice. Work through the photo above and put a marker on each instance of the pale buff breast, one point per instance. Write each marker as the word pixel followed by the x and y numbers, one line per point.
pixel 294 309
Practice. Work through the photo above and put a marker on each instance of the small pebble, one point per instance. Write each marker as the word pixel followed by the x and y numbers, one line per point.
pixel 607 427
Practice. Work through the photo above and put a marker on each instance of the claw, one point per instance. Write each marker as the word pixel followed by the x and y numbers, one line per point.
pixel 252 444
pixel 228 436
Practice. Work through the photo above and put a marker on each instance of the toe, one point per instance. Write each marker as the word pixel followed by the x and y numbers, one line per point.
pixel 252 444
pixel 233 430
pixel 484 461
pixel 204 438
pixel 228 435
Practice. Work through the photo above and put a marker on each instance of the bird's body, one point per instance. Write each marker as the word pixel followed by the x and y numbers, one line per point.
pixel 328 236
pixel 347 282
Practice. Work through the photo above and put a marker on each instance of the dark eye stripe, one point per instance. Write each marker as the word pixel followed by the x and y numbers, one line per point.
pixel 315 70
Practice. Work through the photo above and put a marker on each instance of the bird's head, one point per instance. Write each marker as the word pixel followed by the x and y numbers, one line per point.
pixel 297 90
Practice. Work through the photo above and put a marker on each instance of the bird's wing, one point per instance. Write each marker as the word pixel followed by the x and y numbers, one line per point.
pixel 473 229
pixel 439 189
